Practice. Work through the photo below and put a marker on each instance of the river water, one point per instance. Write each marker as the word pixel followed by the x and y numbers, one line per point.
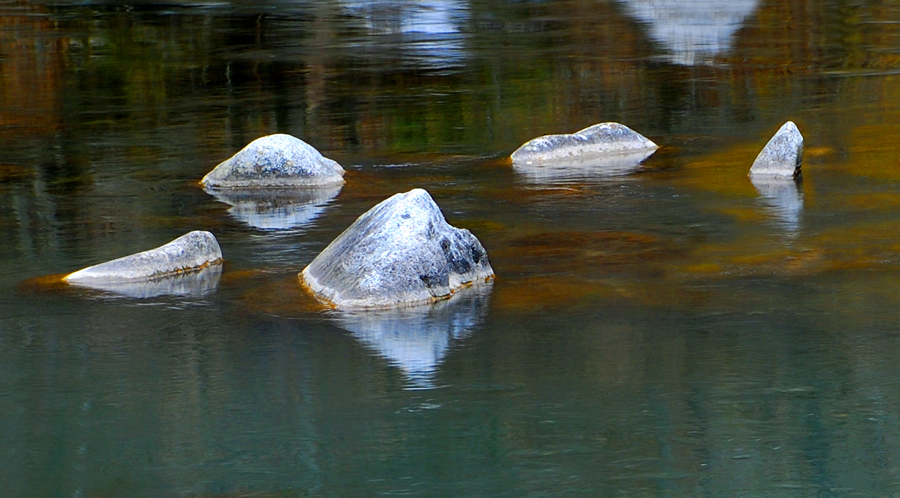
pixel 670 330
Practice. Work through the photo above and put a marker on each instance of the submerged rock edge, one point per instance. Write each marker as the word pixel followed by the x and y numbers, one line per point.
pixel 602 139
pixel 189 253
pixel 400 253
pixel 275 161
pixel 326 296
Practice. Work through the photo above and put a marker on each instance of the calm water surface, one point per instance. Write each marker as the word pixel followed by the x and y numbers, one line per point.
pixel 671 331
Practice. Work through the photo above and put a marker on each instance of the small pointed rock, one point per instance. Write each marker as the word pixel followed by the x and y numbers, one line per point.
pixel 401 252
pixel 190 252
pixel 781 157
pixel 275 161
pixel 597 140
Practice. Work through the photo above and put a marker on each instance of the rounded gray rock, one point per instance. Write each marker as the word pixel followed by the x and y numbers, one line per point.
pixel 782 155
pixel 401 252
pixel 190 252
pixel 597 140
pixel 275 161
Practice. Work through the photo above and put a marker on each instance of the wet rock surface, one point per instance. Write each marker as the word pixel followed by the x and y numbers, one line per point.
pixel 401 252
pixel 597 141
pixel 595 167
pixel 782 155
pixel 194 283
pixel 190 252
pixel 275 161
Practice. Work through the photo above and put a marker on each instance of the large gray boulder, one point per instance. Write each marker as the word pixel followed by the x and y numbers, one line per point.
pixel 275 161
pixel 781 157
pixel 597 141
pixel 190 252
pixel 401 252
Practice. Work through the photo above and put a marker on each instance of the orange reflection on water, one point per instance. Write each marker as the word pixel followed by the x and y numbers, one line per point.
pixel 31 73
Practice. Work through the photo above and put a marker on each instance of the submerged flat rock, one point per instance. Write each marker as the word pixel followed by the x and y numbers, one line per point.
pixel 275 161
pixel 401 252
pixel 190 252
pixel 592 142
pixel 782 155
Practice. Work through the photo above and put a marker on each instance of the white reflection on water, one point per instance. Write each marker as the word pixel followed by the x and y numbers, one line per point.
pixel 277 209
pixel 429 31
pixel 187 284
pixel 783 199
pixel 417 339
pixel 592 167
pixel 694 31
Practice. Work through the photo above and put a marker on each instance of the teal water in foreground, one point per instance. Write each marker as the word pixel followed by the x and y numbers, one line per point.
pixel 672 330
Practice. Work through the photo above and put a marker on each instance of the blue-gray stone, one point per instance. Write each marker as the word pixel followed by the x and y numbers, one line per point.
pixel 190 252
pixel 401 252
pixel 599 140
pixel 275 161
pixel 782 155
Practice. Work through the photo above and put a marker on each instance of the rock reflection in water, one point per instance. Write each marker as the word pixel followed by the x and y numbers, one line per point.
pixel 195 283
pixel 608 165
pixel 277 209
pixel 783 199
pixel 417 339
pixel 692 31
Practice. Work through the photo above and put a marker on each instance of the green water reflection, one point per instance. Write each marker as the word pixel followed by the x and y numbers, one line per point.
pixel 676 331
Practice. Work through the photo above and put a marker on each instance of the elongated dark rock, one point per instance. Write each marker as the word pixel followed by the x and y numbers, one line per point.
pixel 400 252
pixel 782 155
pixel 190 252
pixel 594 141
pixel 275 161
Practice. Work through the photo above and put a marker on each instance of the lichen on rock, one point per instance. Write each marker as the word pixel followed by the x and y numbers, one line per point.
pixel 275 161
pixel 780 159
pixel 401 252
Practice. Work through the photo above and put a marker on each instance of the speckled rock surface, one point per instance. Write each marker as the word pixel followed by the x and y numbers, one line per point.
pixel 275 161
pixel 782 155
pixel 190 252
pixel 401 252
pixel 593 141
